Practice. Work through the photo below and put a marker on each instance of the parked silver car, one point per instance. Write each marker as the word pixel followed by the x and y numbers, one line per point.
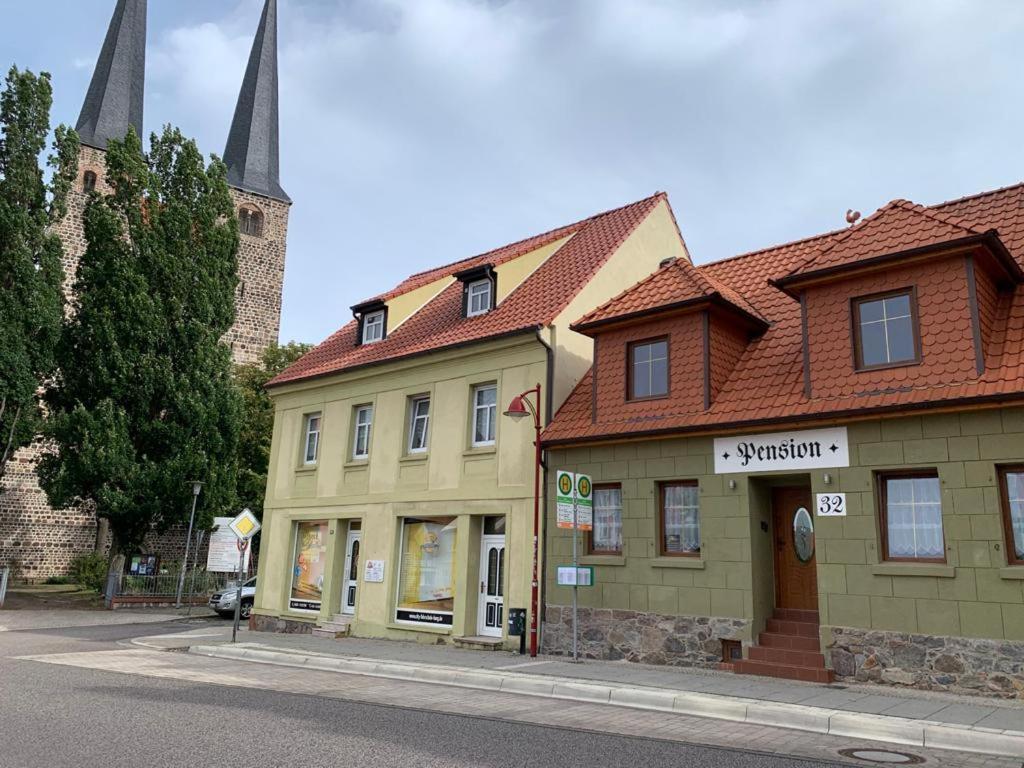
pixel 224 602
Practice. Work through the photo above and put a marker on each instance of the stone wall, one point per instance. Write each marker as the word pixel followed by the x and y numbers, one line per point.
pixel 958 664
pixel 647 638
pixel 42 541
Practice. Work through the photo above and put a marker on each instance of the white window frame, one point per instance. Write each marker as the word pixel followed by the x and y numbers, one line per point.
pixel 484 295
pixel 415 416
pixel 375 321
pixel 312 438
pixel 362 425
pixel 487 411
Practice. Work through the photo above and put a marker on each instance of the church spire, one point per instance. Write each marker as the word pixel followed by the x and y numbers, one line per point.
pixel 114 99
pixel 252 150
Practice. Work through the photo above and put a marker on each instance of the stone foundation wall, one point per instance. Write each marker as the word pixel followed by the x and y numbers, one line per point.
pixel 260 623
pixel 958 664
pixel 647 638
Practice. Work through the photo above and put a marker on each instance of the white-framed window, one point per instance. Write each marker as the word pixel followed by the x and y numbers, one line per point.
pixel 312 441
pixel 373 326
pixel 478 297
pixel 485 408
pixel 419 424
pixel 361 438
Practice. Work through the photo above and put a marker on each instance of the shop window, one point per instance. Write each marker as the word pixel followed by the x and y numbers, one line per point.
pixel 1011 488
pixel 885 330
pixel 426 579
pixel 250 221
pixel 311 443
pixel 485 406
pixel 89 181
pixel 479 297
pixel 606 536
pixel 361 437
pixel 419 424
pixel 911 507
pixel 648 369
pixel 309 564
pixel 373 327
pixel 679 527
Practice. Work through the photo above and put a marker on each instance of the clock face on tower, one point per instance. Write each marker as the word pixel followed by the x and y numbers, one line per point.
pixel 803 535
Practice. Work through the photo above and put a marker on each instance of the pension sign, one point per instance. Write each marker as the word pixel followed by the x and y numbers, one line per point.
pixel 801 449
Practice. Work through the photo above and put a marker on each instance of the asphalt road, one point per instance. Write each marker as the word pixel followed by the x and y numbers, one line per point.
pixel 68 716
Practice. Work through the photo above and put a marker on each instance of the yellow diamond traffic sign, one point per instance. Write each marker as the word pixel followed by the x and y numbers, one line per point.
pixel 245 526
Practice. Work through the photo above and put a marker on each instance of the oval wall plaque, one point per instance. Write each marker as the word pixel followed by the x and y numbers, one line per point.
pixel 803 535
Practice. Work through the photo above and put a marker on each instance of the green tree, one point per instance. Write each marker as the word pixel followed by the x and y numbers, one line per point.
pixel 258 420
pixel 31 276
pixel 144 400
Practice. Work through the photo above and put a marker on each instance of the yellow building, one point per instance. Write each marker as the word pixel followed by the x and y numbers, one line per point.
pixel 399 501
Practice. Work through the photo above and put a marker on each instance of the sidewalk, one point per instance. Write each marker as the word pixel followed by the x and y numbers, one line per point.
pixel 901 716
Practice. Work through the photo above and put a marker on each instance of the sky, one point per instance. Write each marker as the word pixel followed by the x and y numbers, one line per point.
pixel 419 132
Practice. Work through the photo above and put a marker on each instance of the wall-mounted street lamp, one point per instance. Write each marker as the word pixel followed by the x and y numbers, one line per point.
pixel 519 408
pixel 197 486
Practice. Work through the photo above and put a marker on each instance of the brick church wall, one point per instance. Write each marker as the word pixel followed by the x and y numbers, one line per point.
pixel 40 541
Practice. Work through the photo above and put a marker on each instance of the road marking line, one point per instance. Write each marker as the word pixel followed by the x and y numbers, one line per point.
pixel 524 664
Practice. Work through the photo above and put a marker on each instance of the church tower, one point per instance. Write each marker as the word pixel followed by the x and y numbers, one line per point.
pixel 37 540
pixel 252 158
pixel 112 104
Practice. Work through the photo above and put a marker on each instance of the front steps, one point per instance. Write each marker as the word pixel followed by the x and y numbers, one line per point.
pixel 789 649
pixel 478 642
pixel 337 627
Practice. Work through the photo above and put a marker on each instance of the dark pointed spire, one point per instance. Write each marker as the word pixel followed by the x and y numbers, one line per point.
pixel 252 151
pixel 114 99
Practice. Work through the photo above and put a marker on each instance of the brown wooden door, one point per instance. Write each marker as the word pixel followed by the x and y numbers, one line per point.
pixel 796 580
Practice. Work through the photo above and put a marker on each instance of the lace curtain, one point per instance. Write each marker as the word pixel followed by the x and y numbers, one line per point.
pixel 914 517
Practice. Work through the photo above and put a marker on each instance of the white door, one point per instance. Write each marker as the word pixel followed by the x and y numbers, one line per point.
pixel 348 595
pixel 491 613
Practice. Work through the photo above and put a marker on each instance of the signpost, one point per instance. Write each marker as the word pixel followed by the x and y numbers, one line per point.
pixel 574 504
pixel 245 526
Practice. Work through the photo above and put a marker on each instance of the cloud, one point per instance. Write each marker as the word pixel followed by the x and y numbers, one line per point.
pixel 417 132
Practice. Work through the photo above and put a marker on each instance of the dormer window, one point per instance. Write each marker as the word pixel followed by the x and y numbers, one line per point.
pixel 478 289
pixel 478 297
pixel 648 369
pixel 372 321
pixel 373 327
pixel 885 331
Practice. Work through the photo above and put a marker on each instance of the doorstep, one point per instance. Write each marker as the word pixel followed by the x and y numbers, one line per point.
pixel 479 642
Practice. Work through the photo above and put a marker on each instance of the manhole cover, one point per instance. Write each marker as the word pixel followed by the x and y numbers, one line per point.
pixel 882 756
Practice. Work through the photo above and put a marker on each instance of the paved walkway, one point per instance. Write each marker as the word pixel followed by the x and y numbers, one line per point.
pixel 1000 714
pixel 24 620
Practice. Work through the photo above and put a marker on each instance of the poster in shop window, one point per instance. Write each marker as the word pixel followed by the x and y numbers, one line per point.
pixel 426 582
pixel 308 566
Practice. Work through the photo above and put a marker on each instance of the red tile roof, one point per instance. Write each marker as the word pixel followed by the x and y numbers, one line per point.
pixel 895 228
pixel 766 386
pixel 677 283
pixel 533 304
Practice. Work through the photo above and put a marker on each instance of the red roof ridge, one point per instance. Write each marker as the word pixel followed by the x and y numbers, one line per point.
pixel 766 249
pixel 953 221
pixel 978 195
pixel 573 226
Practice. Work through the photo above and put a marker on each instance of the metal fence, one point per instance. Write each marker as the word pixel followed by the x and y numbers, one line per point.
pixel 163 588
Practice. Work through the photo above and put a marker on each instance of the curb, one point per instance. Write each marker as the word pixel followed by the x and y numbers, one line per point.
pixel 892 730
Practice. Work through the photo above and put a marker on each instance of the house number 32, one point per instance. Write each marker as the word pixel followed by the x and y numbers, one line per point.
pixel 831 504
